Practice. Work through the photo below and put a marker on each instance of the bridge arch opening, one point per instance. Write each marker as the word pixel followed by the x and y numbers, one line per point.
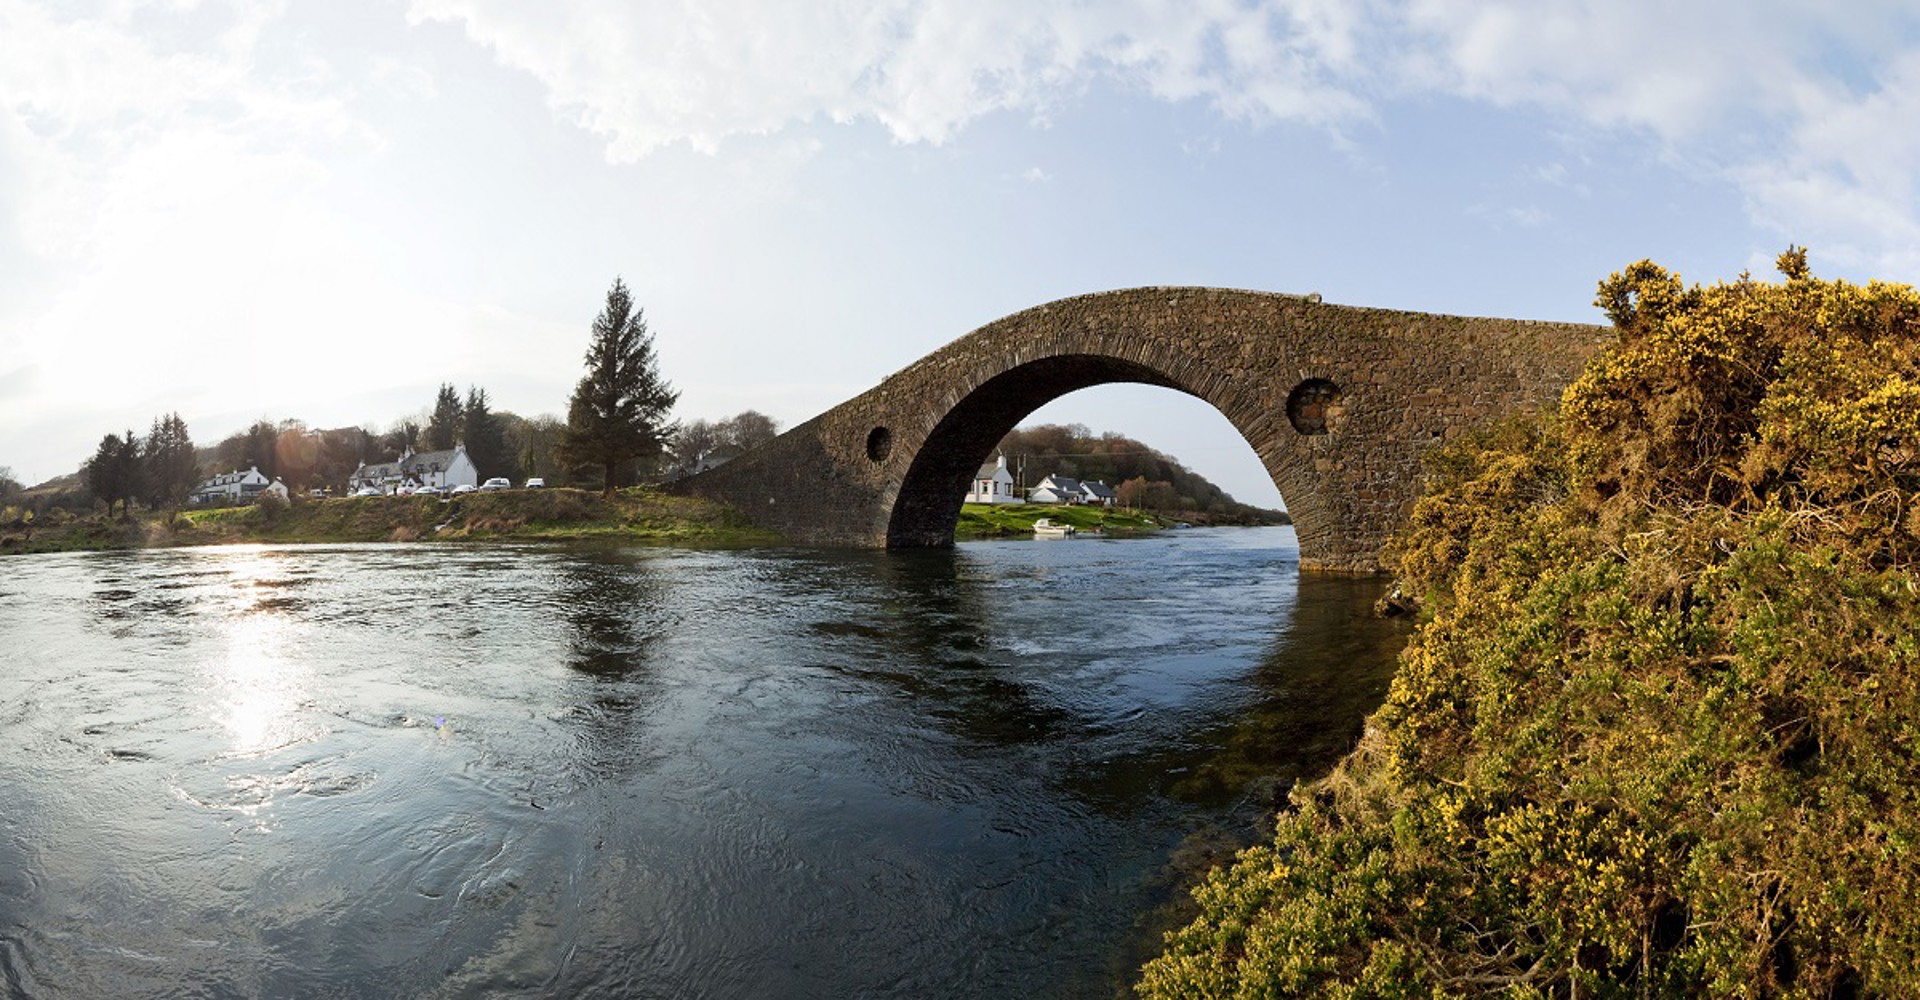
pixel 927 505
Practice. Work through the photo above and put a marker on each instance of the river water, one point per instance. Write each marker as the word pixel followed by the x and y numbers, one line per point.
pixel 395 770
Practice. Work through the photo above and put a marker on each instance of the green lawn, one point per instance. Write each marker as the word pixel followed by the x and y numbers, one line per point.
pixel 979 520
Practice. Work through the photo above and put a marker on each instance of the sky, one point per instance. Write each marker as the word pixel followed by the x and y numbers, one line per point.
pixel 324 209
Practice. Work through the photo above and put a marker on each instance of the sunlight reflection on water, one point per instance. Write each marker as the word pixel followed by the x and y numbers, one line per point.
pixel 407 770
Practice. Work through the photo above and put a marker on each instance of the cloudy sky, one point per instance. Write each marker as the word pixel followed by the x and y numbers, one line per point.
pixel 323 209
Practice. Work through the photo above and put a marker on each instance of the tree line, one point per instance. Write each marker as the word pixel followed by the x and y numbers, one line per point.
pixel 1142 477
pixel 617 432
pixel 159 470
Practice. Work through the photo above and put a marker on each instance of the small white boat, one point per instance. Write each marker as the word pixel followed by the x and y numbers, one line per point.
pixel 1045 528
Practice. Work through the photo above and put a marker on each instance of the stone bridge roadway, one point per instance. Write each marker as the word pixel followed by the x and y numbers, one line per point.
pixel 1338 402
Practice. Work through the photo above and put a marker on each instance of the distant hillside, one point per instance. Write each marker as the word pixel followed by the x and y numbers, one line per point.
pixel 1142 476
pixel 70 481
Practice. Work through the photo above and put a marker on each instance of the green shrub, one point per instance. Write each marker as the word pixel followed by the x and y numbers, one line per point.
pixel 1658 732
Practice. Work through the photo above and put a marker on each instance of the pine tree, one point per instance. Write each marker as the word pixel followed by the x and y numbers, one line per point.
pixel 619 410
pixel 114 473
pixel 172 469
pixel 443 428
pixel 486 439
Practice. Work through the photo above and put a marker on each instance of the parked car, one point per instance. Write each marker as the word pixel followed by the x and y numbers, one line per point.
pixel 497 483
pixel 459 488
pixel 428 491
pixel 368 491
pixel 536 483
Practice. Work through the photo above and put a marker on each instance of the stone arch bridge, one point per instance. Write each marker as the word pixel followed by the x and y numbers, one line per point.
pixel 1338 401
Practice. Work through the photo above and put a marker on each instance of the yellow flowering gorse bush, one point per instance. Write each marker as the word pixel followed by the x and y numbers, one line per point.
pixel 1658 734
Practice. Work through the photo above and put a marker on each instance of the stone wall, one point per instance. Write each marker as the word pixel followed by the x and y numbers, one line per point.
pixel 1338 401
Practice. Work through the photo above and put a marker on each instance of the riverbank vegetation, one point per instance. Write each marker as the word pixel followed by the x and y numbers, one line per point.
pixel 1659 730
pixel 982 520
pixel 1142 477
pixel 628 515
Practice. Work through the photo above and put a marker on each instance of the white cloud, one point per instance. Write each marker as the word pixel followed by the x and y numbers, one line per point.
pixel 123 142
pixel 1779 98
pixel 699 72
pixel 1813 114
pixel 1845 176
pixel 1530 216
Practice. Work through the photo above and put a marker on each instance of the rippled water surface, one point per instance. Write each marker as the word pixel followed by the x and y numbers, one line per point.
pixel 425 770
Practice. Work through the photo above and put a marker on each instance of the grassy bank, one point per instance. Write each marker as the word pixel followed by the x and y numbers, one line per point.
pixel 634 515
pixel 979 520
pixel 566 515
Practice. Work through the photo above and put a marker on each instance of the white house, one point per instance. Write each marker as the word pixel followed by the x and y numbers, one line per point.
pixel 1096 494
pixel 428 468
pixel 443 468
pixel 1065 489
pixel 1055 489
pixel 233 487
pixel 993 484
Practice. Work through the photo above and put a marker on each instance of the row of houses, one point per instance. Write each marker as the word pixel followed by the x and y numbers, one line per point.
pixel 428 468
pixel 994 484
pixel 446 469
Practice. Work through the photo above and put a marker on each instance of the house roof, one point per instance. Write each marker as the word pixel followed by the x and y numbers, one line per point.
pixel 229 478
pixel 1060 484
pixel 379 470
pixel 1100 491
pixel 434 460
pixel 991 470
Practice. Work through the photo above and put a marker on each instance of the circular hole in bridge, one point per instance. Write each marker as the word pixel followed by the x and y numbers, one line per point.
pixel 879 444
pixel 1312 404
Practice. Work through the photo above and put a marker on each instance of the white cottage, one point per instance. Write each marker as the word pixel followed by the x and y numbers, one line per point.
pixel 427 468
pixel 233 487
pixel 1068 490
pixel 1056 489
pixel 443 468
pixel 1096 494
pixel 993 484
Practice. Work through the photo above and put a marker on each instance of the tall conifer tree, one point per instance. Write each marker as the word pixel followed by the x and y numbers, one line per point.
pixel 114 473
pixel 443 428
pixel 619 410
pixel 172 469
pixel 486 440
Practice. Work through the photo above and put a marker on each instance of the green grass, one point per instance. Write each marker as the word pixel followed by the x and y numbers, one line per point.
pixel 553 515
pixel 558 515
pixel 979 520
